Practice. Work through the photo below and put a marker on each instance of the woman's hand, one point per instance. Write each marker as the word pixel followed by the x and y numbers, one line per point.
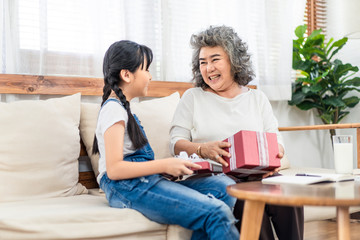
pixel 280 155
pixel 281 151
pixel 215 151
pixel 177 167
pixel 276 170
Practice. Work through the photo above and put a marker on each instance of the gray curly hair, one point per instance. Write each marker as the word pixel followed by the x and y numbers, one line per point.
pixel 236 49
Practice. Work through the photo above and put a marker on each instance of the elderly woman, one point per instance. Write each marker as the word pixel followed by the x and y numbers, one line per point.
pixel 221 105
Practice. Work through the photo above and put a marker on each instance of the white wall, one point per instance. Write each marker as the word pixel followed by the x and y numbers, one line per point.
pixel 313 148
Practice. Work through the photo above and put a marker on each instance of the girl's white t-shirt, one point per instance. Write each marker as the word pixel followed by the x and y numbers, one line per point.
pixel 112 112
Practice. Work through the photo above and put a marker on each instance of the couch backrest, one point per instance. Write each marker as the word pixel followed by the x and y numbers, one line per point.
pixel 61 85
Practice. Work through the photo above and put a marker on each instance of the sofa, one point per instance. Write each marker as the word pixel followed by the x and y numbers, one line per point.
pixel 41 195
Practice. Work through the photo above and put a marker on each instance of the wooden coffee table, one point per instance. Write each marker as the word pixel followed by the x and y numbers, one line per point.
pixel 256 195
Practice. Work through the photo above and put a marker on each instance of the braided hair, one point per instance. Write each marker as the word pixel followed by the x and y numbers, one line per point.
pixel 130 56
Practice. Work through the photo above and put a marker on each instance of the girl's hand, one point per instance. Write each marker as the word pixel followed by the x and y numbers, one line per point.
pixel 215 151
pixel 177 167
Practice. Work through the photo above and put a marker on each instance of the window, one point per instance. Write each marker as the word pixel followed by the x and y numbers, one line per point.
pixel 70 37
pixel 315 15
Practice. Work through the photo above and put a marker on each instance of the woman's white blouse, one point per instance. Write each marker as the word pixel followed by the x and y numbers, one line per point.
pixel 203 116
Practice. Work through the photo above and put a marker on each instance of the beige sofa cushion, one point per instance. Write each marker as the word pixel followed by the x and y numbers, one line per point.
pixel 39 148
pixel 88 120
pixel 173 231
pixel 155 116
pixel 77 217
pixel 284 163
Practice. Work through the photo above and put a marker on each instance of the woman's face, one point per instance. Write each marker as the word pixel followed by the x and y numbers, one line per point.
pixel 215 68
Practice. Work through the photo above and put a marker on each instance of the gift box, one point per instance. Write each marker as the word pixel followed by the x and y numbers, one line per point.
pixel 252 153
pixel 207 167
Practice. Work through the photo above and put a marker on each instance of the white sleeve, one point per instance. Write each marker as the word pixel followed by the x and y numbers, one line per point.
pixel 269 120
pixel 110 114
pixel 182 123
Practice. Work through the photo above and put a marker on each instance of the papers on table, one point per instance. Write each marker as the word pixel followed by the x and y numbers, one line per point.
pixel 304 179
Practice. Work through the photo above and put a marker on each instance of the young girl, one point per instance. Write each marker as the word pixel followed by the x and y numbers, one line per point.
pixel 129 175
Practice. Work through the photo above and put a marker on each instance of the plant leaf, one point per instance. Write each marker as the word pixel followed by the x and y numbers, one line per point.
pixel 305 89
pixel 299 64
pixel 300 30
pixel 353 82
pixel 351 101
pixel 316 88
pixel 297 98
pixel 316 34
pixel 302 80
pixel 339 44
pixel 328 44
pixel 322 83
pixel 342 69
pixel 333 101
pixel 342 115
pixel 306 105
pixel 327 118
pixel 348 89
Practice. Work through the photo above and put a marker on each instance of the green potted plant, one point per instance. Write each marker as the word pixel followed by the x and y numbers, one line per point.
pixel 323 83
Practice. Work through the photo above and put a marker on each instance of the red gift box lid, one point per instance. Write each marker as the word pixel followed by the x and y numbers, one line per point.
pixel 252 150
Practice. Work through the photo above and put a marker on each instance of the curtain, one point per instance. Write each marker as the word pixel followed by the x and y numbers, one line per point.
pixel 70 37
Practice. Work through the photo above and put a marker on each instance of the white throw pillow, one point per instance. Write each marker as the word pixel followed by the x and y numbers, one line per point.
pixel 88 121
pixel 155 116
pixel 39 148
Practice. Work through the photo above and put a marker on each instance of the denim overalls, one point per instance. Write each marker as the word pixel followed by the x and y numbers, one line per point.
pixel 200 204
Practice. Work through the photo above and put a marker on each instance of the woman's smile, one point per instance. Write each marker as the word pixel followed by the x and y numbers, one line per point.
pixel 214 77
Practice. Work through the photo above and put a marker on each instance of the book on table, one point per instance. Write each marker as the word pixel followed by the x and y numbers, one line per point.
pixel 305 179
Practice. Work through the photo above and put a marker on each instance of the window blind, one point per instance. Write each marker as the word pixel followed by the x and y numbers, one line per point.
pixel 70 37
pixel 315 15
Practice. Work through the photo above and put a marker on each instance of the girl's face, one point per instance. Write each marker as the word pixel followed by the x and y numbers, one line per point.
pixel 215 68
pixel 140 81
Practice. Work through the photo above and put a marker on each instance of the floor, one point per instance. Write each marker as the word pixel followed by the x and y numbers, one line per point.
pixel 327 230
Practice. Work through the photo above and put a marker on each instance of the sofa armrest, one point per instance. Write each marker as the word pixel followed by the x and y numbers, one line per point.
pixel 330 126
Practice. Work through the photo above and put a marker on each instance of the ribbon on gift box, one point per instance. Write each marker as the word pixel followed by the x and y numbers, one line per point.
pixel 193 157
pixel 262 150
pixel 232 160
